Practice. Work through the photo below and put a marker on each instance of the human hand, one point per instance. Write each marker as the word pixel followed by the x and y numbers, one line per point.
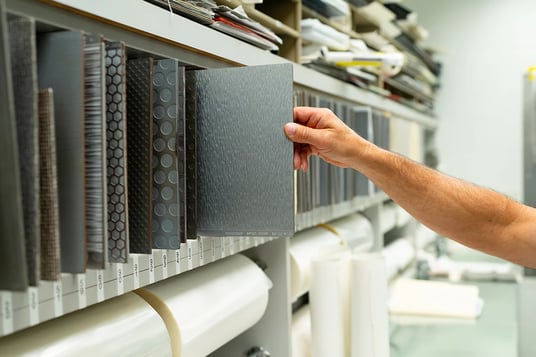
pixel 317 131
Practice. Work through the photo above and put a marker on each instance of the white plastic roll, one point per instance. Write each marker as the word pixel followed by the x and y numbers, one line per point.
pixel 301 332
pixel 329 301
pixel 205 308
pixel 304 247
pixel 122 326
pixel 369 321
pixel 398 255
pixel 355 230
pixel 388 217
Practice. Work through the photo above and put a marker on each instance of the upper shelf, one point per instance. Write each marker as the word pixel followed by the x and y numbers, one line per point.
pixel 207 48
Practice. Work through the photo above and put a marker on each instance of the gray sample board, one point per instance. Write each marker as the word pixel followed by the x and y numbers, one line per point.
pixel 245 178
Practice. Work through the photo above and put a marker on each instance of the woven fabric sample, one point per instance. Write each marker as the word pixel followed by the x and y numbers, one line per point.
pixel 24 72
pixel 94 152
pixel 60 67
pixel 166 206
pixel 139 143
pixel 13 270
pixel 116 153
pixel 361 122
pixel 48 197
pixel 245 162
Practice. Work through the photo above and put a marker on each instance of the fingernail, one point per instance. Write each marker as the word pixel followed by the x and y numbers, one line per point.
pixel 290 128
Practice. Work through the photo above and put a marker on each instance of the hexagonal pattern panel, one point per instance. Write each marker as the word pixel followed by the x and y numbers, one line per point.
pixel 116 153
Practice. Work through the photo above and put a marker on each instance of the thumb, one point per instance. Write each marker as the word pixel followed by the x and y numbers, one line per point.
pixel 300 133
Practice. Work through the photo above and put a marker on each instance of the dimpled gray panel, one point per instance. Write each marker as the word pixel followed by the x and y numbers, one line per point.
pixel 245 170
pixel 166 208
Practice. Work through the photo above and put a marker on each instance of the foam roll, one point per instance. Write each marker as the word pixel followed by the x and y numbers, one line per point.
pixel 355 230
pixel 388 217
pixel 398 255
pixel 301 332
pixel 329 301
pixel 122 326
pixel 205 308
pixel 304 247
pixel 369 317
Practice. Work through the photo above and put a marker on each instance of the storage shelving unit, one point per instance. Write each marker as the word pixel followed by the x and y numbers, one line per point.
pixel 145 27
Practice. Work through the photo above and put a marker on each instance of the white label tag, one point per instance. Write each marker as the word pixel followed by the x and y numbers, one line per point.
pixel 177 261
pixel 151 268
pixel 7 312
pixel 136 268
pixel 231 246
pixel 119 278
pixel 222 248
pixel 190 256
pixel 100 285
pixel 213 248
pixel 201 252
pixel 33 305
pixel 164 265
pixel 58 298
pixel 82 298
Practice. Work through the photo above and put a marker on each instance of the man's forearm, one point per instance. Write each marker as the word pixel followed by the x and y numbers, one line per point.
pixel 472 215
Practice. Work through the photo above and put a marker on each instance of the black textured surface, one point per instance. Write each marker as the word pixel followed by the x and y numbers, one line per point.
pixel 361 122
pixel 116 152
pixel 245 162
pixel 24 72
pixel 12 249
pixel 166 196
pixel 139 143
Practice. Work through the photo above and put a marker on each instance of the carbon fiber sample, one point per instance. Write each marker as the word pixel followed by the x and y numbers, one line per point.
pixel 116 152
pixel 24 72
pixel 139 143
pixel 245 162
pixel 13 270
pixel 166 196
pixel 50 225
pixel 95 151
pixel 61 67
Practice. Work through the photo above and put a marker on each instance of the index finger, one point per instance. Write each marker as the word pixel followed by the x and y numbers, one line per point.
pixel 310 116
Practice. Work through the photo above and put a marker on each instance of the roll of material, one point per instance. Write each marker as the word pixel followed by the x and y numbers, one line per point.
pixel 329 301
pixel 369 314
pixel 398 255
pixel 205 308
pixel 355 230
pixel 122 326
pixel 301 332
pixel 304 247
pixel 388 217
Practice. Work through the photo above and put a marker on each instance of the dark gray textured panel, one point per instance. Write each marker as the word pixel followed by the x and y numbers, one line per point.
pixel 61 67
pixel 24 72
pixel 361 122
pixel 48 195
pixel 139 143
pixel 166 196
pixel 95 152
pixel 245 162
pixel 13 271
pixel 116 152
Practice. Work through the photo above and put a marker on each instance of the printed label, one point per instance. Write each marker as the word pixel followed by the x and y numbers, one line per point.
pixel 33 305
pixel 7 312
pixel 82 298
pixel 201 252
pixel 136 273
pixel 177 261
pixel 151 269
pixel 119 279
pixel 100 285
pixel 164 265
pixel 58 298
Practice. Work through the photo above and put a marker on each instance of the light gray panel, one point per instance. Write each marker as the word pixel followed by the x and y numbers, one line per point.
pixel 245 162
pixel 60 67
pixel 24 72
pixel 13 272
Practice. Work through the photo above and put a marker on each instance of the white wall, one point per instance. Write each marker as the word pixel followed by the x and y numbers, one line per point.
pixel 489 46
